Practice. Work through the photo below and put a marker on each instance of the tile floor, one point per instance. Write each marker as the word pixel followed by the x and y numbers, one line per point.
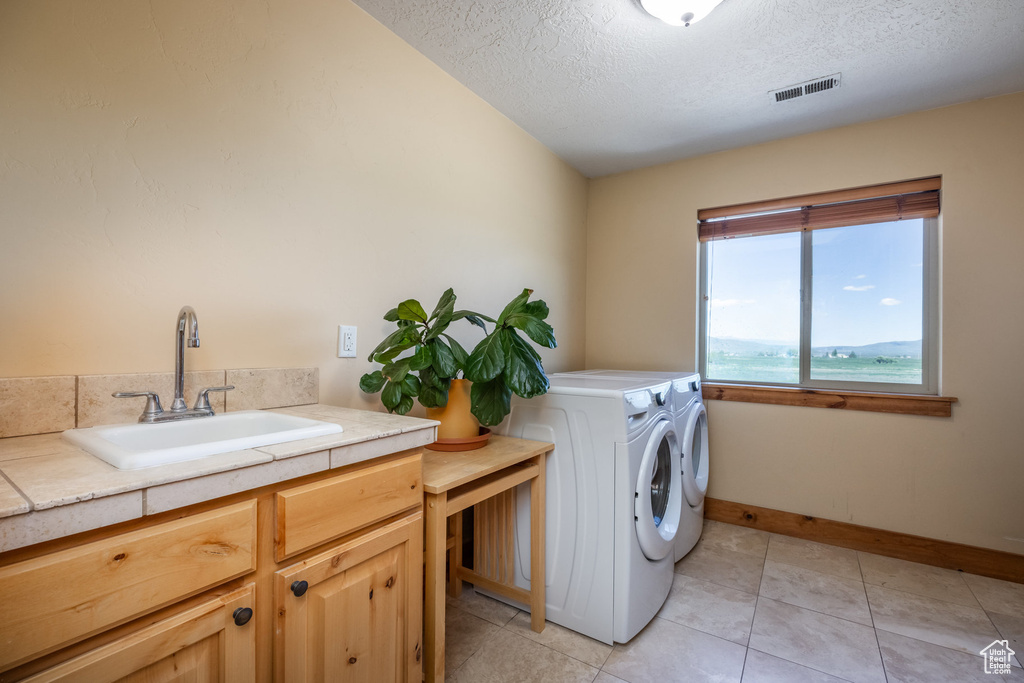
pixel 756 607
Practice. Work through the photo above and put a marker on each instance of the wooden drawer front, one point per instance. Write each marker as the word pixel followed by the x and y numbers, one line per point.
pixel 57 599
pixel 200 644
pixel 322 511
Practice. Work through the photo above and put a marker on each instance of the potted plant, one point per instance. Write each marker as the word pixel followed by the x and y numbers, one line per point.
pixel 501 364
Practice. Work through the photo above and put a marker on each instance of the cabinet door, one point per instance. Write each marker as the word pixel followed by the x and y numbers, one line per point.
pixel 354 612
pixel 200 644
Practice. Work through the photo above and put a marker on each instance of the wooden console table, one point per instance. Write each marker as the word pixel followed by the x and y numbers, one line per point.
pixel 453 482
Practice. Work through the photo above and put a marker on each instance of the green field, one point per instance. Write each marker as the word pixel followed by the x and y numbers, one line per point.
pixel 784 369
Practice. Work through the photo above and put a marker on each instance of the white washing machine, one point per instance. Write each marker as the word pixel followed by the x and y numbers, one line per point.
pixel 691 422
pixel 612 504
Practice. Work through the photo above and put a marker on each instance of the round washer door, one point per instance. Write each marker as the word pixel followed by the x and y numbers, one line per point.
pixel 658 496
pixel 695 455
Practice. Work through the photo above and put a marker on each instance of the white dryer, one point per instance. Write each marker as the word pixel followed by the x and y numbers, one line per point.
pixel 691 421
pixel 612 505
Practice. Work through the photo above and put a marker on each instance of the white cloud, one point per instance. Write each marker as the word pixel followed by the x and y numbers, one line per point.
pixel 890 302
pixel 862 288
pixel 859 277
pixel 731 302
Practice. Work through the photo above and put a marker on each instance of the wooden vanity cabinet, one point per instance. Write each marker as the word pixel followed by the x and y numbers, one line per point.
pixel 164 598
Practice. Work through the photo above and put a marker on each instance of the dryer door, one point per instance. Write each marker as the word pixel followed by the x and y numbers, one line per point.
pixel 658 500
pixel 695 455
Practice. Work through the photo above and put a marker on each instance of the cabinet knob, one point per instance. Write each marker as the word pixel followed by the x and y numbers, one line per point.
pixel 299 588
pixel 242 616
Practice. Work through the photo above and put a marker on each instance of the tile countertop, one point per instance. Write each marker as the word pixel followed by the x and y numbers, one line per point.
pixel 50 488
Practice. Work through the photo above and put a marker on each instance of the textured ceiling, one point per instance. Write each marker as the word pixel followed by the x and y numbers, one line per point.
pixel 609 88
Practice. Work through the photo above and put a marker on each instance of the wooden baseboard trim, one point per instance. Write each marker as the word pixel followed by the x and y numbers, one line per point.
pixel 993 563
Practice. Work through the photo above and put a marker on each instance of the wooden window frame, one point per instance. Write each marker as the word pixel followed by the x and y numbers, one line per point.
pixel 839 399
pixel 857 206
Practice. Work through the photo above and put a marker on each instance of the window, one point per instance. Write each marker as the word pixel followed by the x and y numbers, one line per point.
pixel 836 291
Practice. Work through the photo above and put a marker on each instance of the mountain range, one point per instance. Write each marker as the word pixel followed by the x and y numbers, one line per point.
pixel 752 347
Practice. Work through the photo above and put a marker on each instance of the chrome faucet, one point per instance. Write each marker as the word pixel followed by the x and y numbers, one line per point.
pixel 188 325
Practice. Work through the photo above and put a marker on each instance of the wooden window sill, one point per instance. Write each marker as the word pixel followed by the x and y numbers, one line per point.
pixel 904 404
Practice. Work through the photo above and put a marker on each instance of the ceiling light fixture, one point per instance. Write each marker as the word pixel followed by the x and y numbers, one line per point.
pixel 679 12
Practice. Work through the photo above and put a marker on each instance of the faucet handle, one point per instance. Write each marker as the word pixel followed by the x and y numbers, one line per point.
pixel 203 399
pixel 153 407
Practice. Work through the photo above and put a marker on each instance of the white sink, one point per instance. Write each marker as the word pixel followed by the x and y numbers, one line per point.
pixel 134 446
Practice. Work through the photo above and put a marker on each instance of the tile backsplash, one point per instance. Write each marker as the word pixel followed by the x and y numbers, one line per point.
pixel 39 405
pixel 260 388
pixel 96 406
pixel 36 405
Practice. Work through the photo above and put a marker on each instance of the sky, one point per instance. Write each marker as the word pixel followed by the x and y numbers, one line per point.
pixel 867 285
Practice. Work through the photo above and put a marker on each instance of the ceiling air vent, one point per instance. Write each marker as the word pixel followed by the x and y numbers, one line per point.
pixel 791 92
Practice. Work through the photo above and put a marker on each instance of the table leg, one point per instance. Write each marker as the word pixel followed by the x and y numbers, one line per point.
pixel 455 560
pixel 435 525
pixel 537 579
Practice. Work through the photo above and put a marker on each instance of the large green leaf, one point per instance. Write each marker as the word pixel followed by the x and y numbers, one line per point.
pixel 445 303
pixel 523 372
pixel 535 328
pixel 410 385
pixel 392 315
pixel 474 318
pixel 432 397
pixel 429 378
pixel 393 353
pixel 538 309
pixel 404 405
pixel 461 355
pixel 460 314
pixel 490 401
pixel 423 358
pixel 372 382
pixel 444 360
pixel 442 315
pixel 439 326
pixel 487 359
pixel 391 396
pixel 433 389
pixel 396 371
pixel 515 306
pixel 410 309
pixel 396 338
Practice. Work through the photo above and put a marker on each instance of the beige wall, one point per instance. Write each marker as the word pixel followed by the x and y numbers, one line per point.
pixel 282 167
pixel 959 479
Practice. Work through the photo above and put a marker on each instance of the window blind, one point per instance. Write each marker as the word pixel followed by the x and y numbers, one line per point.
pixel 873 204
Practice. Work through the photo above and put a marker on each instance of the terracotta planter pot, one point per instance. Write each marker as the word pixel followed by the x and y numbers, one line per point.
pixel 456 420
